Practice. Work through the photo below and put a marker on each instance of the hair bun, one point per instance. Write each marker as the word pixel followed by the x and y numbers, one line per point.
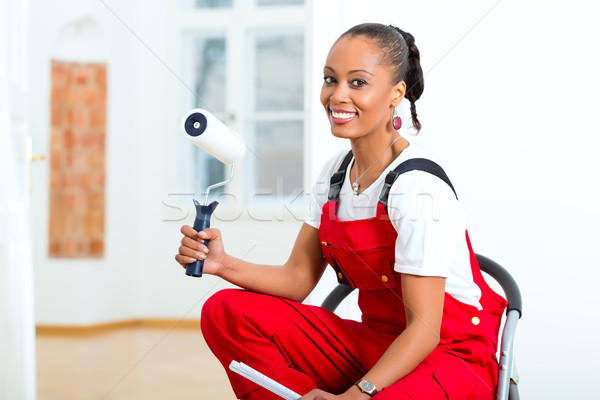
pixel 413 75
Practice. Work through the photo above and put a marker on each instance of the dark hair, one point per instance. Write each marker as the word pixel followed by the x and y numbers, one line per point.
pixel 399 52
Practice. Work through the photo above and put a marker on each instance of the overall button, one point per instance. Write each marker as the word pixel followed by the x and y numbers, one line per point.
pixel 475 320
pixel 384 278
pixel 340 275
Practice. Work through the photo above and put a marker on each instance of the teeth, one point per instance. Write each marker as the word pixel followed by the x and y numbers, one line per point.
pixel 342 115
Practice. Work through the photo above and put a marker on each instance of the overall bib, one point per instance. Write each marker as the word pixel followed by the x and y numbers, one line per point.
pixel 305 347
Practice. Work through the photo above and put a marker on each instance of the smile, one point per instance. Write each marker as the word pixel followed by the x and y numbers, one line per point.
pixel 342 117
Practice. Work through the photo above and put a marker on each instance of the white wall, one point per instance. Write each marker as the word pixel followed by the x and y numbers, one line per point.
pixel 138 276
pixel 17 329
pixel 509 107
pixel 85 291
pixel 140 125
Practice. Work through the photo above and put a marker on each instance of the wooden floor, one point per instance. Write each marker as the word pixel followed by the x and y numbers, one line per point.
pixel 129 363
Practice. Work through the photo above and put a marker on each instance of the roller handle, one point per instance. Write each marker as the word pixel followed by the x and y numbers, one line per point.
pixel 201 222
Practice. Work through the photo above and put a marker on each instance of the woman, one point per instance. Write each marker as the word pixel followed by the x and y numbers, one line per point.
pixel 429 322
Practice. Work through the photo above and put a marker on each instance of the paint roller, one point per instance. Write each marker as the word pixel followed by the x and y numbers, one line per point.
pixel 211 135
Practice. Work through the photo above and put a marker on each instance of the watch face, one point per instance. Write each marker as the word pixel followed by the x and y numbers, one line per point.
pixel 367 386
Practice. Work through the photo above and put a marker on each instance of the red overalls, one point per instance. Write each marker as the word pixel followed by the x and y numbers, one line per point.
pixel 305 347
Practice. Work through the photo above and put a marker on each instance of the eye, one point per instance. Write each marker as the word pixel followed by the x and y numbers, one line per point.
pixel 358 82
pixel 328 79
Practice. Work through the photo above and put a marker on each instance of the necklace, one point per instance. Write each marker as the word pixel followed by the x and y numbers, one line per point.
pixel 355 185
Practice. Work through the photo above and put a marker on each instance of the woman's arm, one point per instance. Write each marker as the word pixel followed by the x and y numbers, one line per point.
pixel 293 280
pixel 423 303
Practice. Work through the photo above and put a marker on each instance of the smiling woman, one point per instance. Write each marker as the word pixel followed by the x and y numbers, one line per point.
pixel 429 321
pixel 361 77
pixel 368 75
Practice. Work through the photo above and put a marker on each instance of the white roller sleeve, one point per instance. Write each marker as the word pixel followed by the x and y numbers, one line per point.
pixel 207 132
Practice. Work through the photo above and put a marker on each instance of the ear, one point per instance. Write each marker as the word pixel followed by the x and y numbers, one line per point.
pixel 398 92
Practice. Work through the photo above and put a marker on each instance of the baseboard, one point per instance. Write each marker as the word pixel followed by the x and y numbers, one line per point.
pixel 95 329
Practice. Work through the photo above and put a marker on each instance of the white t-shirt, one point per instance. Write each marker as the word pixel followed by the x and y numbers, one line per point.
pixel 423 209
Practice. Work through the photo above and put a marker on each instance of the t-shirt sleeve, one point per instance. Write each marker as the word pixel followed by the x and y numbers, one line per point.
pixel 430 223
pixel 320 190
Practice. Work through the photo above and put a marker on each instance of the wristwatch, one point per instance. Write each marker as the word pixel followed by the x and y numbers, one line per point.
pixel 366 387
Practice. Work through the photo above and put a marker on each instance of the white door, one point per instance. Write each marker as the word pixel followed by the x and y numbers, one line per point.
pixel 17 326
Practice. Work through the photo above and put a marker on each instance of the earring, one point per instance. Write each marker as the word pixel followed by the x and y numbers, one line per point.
pixel 396 121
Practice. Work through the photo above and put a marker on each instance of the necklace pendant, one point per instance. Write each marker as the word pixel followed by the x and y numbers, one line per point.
pixel 355 188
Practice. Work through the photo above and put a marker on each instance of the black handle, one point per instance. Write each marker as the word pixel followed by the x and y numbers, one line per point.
pixel 202 222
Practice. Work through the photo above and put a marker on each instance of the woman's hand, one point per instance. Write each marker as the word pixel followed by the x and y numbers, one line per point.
pixel 293 280
pixel 351 394
pixel 192 249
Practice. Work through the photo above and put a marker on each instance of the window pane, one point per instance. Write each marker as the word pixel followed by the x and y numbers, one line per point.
pixel 209 72
pixel 280 73
pixel 214 3
pixel 280 167
pixel 210 84
pixel 278 2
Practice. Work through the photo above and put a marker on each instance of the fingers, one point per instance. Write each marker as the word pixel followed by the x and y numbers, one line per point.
pixel 188 231
pixel 317 394
pixel 196 245
pixel 210 234
pixel 184 260
pixel 192 244
pixel 191 249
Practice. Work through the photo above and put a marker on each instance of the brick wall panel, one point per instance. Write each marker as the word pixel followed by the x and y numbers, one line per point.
pixel 77 160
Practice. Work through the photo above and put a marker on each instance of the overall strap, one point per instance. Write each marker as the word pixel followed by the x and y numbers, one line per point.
pixel 337 179
pixel 421 164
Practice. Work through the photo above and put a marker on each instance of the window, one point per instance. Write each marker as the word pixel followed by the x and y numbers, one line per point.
pixel 209 72
pixel 277 2
pixel 276 113
pixel 245 61
pixel 214 3
pixel 259 3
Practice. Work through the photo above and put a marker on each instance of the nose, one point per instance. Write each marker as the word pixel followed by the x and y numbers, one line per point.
pixel 339 94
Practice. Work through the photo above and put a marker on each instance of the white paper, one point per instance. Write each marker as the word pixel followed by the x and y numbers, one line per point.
pixel 263 380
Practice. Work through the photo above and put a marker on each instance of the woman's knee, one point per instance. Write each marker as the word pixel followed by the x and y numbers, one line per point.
pixel 219 308
pixel 233 310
